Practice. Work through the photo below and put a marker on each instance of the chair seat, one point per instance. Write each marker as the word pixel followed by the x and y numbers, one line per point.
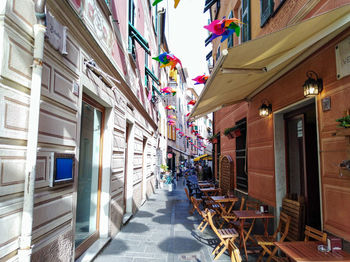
pixel 263 240
pixel 228 232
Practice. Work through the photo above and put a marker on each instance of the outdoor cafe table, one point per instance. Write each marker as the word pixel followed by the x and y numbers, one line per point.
pixel 300 251
pixel 226 203
pixel 210 191
pixel 250 214
pixel 205 184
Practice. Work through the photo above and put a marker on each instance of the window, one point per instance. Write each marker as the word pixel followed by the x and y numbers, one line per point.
pixel 155 19
pixel 241 156
pixel 266 8
pixel 218 54
pixel 246 20
pixel 131 48
pixel 230 38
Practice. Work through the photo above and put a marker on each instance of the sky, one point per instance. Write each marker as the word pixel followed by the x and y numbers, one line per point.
pixel 186 35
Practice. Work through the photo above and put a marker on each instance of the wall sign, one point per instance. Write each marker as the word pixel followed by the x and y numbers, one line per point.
pixel 56 34
pixel 342 57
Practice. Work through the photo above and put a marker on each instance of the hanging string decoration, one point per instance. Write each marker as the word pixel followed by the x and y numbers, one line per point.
pixel 224 28
pixel 200 79
pixel 167 59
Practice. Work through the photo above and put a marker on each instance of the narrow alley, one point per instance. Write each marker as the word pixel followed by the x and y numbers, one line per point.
pixel 163 230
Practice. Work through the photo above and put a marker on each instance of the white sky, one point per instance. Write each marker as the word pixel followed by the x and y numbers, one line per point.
pixel 186 35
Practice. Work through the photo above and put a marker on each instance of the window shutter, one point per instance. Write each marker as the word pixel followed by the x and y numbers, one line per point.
pixel 266 8
pixel 230 38
pixel 246 20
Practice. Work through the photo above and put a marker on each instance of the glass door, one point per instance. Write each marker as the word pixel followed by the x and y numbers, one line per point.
pixel 89 181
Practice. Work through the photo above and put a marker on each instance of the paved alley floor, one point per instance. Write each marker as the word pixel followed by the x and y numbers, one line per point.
pixel 163 230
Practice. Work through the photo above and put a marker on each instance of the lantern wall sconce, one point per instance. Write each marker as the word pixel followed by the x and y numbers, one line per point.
pixel 265 109
pixel 313 85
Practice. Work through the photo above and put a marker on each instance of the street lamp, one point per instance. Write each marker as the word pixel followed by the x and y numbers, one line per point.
pixel 313 85
pixel 265 109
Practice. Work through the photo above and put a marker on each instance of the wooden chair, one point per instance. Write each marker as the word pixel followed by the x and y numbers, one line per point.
pixel 266 242
pixel 202 213
pixel 231 218
pixel 313 233
pixel 227 237
pixel 189 198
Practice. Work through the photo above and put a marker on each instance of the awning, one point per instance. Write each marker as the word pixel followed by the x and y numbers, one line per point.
pixel 245 70
pixel 200 157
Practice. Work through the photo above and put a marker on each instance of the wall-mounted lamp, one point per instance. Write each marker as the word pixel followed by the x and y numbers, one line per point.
pixel 265 109
pixel 313 85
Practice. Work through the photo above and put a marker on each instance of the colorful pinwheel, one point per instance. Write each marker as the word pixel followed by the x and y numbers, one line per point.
pixel 200 79
pixel 176 2
pixel 172 117
pixel 192 102
pixel 171 122
pixel 170 107
pixel 167 59
pixel 188 114
pixel 224 28
pixel 177 129
pixel 168 90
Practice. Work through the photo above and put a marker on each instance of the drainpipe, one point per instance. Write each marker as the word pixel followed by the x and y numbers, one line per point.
pixel 25 240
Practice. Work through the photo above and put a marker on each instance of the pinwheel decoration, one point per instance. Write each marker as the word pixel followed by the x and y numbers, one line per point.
pixel 171 122
pixel 167 59
pixel 192 102
pixel 177 129
pixel 176 2
pixel 224 28
pixel 170 107
pixel 200 79
pixel 172 117
pixel 181 133
pixel 168 90
pixel 188 114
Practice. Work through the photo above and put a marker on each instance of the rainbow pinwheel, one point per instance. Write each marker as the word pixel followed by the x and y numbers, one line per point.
pixel 224 28
pixel 176 2
pixel 167 59
pixel 170 107
pixel 168 90
pixel 171 122
pixel 192 102
pixel 172 117
pixel 200 79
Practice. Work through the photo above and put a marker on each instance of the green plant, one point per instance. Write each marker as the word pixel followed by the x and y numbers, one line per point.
pixel 229 130
pixel 344 121
pixel 164 167
pixel 210 138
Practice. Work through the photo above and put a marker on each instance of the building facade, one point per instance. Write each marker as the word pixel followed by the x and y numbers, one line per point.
pixel 98 119
pixel 297 150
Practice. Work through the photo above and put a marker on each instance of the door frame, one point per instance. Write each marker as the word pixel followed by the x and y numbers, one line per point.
pixel 79 250
pixel 280 152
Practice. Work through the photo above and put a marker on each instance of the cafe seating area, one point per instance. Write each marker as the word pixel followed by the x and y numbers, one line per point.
pixel 237 222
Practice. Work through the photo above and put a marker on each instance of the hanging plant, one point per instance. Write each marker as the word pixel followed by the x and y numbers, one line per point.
pixel 232 132
pixel 344 121
pixel 214 138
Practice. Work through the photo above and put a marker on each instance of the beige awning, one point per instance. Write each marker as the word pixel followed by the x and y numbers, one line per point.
pixel 245 70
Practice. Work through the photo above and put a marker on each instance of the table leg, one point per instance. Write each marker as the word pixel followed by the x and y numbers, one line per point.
pixel 243 240
pixel 265 227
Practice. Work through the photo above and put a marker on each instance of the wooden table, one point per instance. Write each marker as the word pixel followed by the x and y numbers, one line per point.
pixel 250 214
pixel 210 191
pixel 301 251
pixel 226 203
pixel 205 184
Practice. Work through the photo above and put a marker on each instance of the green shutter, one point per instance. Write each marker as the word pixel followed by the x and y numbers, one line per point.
pixel 246 20
pixel 266 8
pixel 230 38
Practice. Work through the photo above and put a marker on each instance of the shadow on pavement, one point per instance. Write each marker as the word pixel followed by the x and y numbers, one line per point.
pixel 179 245
pixel 134 227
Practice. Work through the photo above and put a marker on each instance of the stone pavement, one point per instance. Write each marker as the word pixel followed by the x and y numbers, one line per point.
pixel 163 230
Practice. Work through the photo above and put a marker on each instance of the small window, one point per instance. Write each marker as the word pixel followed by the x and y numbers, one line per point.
pixel 230 38
pixel 266 8
pixel 246 20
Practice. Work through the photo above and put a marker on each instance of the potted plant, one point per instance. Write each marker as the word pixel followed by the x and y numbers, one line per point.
pixel 214 138
pixel 229 132
pixel 344 126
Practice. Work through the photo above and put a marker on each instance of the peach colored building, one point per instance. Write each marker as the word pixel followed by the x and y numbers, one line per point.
pixel 298 148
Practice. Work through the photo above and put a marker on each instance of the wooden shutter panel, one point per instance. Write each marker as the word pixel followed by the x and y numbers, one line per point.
pixel 266 7
pixel 246 20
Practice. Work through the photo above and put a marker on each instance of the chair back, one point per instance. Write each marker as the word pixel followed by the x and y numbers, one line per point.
pixel 187 194
pixel 251 205
pixel 196 205
pixel 313 233
pixel 213 227
pixel 283 226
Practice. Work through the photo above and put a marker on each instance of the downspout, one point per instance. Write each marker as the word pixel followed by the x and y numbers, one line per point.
pixel 25 240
